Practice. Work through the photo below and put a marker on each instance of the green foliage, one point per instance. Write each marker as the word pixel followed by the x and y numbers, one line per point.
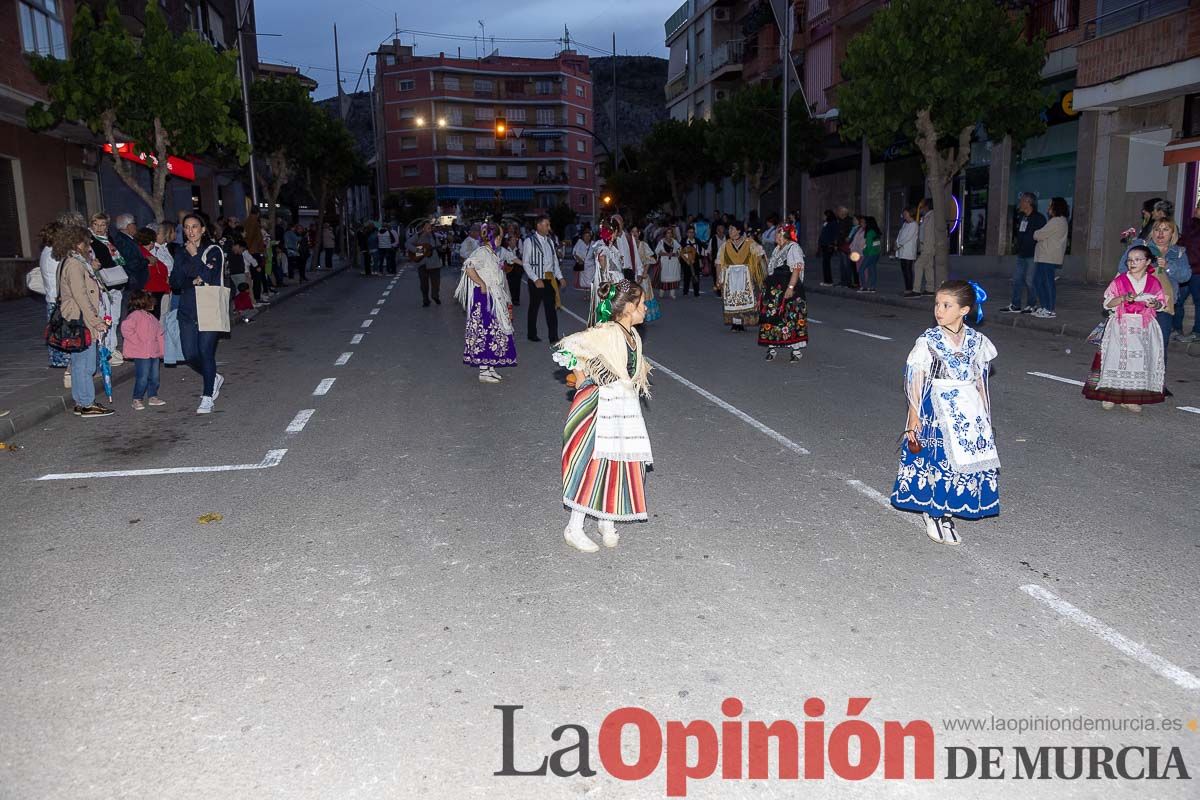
pixel 745 136
pixel 637 188
pixel 279 113
pixel 966 62
pixel 166 93
pixel 417 202
pixel 676 153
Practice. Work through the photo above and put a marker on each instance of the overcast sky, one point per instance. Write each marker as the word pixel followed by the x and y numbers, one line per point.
pixel 307 29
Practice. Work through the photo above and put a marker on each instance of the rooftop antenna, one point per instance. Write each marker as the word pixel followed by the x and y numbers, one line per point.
pixel 566 38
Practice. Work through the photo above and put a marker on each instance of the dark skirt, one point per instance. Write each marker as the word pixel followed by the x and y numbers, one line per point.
pixel 782 322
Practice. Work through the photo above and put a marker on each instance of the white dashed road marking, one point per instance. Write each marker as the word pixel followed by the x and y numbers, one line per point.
pixel 356 338
pixel 300 420
pixel 1048 376
pixel 323 387
pixel 367 323
pixel 271 459
pixel 342 359
pixel 871 335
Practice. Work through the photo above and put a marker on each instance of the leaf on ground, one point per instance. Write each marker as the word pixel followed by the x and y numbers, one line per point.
pixel 211 516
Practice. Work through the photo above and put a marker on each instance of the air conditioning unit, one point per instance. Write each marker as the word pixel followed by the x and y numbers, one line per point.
pixel 720 94
pixel 722 14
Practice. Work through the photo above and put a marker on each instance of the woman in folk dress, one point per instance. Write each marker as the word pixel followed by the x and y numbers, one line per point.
pixel 948 465
pixel 483 292
pixel 783 310
pixel 605 445
pixel 669 271
pixel 646 277
pixel 609 267
pixel 739 274
pixel 1130 367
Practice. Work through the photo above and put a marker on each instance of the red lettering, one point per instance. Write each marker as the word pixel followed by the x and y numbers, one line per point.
pixel 731 740
pixel 678 768
pixel 814 740
pixel 649 743
pixel 788 739
pixel 894 735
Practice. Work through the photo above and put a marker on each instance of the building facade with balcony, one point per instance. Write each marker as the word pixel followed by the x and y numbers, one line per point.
pixel 435 128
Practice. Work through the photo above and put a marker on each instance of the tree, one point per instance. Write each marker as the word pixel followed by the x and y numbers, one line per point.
pixel 745 136
pixel 163 92
pixel 636 190
pixel 677 150
pixel 280 113
pixel 932 71
pixel 561 216
pixel 331 163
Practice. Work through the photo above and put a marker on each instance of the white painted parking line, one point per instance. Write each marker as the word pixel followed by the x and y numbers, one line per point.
pixel 374 312
pixel 356 338
pixel 864 333
pixel 342 359
pixel 300 420
pixel 323 387
pixel 712 398
pixel 367 323
pixel 882 500
pixel 817 321
pixel 1050 377
pixel 1176 675
pixel 271 459
pixel 1190 409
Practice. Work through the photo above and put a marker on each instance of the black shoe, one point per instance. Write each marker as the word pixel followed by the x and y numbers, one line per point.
pixel 534 339
pixel 437 300
pixel 96 410
pixel 796 356
pixel 425 304
pixel 77 411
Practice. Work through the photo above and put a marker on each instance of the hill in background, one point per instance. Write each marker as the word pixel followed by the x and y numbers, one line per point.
pixel 640 99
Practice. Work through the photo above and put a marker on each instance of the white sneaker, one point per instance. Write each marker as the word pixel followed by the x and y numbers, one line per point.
pixel 487 377
pixel 218 382
pixel 67 379
pixel 206 405
pixel 932 529
pixel 579 540
pixel 115 358
pixel 608 529
pixel 1108 405
pixel 492 371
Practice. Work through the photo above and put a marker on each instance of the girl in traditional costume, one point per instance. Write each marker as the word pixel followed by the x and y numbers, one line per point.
pixel 645 277
pixel 605 445
pixel 1130 367
pixel 669 271
pixel 609 267
pixel 483 292
pixel 948 464
pixel 783 309
pixel 739 274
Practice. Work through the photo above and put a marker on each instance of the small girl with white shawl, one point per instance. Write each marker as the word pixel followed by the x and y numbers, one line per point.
pixel 948 461
pixel 605 444
pixel 483 292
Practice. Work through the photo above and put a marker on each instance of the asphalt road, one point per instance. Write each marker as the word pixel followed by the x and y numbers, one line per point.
pixel 369 595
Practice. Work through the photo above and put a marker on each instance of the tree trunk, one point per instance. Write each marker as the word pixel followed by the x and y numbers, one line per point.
pixel 159 170
pixel 320 246
pixel 280 175
pixel 940 170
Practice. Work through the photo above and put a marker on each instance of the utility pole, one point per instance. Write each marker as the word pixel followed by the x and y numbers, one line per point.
pixel 787 57
pixel 616 129
pixel 243 15
pixel 380 152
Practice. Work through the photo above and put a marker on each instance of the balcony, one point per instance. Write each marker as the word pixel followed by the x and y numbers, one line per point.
pixel 676 20
pixel 1051 17
pixel 728 54
pixel 1129 14
pixel 677 85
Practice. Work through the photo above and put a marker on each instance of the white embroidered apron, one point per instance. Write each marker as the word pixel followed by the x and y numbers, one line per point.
pixel 620 430
pixel 965 425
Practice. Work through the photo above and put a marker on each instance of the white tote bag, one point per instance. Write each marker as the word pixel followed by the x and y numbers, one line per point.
pixel 212 302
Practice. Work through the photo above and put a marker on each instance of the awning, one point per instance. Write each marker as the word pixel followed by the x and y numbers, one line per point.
pixel 1182 151
pixel 543 134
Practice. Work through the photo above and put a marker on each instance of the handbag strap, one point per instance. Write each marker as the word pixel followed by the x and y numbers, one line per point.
pixel 204 255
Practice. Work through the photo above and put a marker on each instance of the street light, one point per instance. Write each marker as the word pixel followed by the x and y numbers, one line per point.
pixel 607 199
pixel 420 122
pixel 441 122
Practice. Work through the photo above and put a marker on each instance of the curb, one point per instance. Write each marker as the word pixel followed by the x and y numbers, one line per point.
pixel 1023 321
pixel 33 414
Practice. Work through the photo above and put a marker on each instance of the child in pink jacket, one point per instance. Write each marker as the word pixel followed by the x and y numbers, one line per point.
pixel 144 345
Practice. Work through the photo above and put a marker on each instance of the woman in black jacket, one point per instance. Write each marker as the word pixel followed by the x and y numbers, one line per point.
pixel 199 262
pixel 827 244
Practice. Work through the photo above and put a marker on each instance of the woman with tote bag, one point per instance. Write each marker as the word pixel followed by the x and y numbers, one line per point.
pixel 199 277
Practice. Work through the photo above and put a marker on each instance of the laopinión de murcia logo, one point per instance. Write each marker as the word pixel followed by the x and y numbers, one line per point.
pixel 812 749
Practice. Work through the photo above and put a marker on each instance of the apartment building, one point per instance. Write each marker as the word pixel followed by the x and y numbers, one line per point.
pixel 436 120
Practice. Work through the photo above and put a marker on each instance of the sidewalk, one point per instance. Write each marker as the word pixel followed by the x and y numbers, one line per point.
pixel 33 393
pixel 1078 304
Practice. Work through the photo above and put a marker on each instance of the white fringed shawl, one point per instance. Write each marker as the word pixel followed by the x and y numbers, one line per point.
pixel 486 264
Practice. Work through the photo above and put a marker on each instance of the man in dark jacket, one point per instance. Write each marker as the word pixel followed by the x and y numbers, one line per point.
pixel 1029 219
pixel 136 265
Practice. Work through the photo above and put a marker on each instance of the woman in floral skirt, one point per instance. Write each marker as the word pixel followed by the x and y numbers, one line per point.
pixel 483 292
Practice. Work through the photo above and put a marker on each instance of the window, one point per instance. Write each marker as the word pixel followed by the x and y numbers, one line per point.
pixel 456 173
pixel 581 173
pixel 580 119
pixel 483 85
pixel 544 87
pixel 548 146
pixel 485 114
pixel 579 90
pixel 389 60
pixel 407 113
pixel 455 117
pixel 583 199
pixel 411 171
pixel 454 142
pixel 408 143
pixel 518 171
pixel 517 146
pixel 516 115
pixel 581 146
pixel 546 116
pixel 512 86
pixel 485 142
pixel 405 85
pixel 216 27
pixel 1115 15
pixel 42 27
pixel 450 83
pixel 485 171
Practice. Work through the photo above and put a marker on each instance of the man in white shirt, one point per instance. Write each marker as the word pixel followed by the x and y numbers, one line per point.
pixel 631 261
pixel 541 267
pixel 387 248
pixel 585 261
pixel 470 244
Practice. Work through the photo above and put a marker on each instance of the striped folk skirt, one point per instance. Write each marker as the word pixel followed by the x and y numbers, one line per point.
pixel 598 487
